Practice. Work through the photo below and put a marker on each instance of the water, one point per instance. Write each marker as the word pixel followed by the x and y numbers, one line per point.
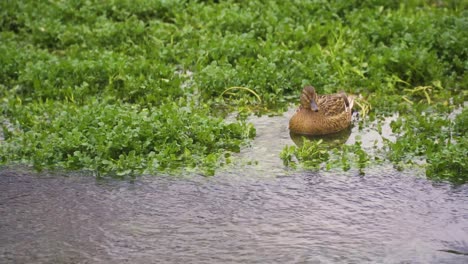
pixel 251 212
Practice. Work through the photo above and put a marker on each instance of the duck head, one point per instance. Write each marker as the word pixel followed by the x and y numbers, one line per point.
pixel 309 99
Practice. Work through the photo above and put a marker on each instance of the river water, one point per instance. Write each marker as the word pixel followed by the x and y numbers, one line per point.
pixel 254 211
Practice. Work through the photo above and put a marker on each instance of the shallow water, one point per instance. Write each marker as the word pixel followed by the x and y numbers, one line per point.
pixel 255 211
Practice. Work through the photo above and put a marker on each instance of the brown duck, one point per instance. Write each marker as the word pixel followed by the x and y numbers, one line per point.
pixel 321 114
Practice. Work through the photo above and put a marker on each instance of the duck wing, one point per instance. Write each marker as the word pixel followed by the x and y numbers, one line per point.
pixel 335 104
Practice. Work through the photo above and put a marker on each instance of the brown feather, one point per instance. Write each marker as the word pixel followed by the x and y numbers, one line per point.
pixel 333 115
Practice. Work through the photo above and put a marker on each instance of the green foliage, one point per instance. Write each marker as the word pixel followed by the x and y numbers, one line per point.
pixel 159 68
pixel 450 162
pixel 311 154
pixel 441 140
pixel 315 154
pixel 121 139
pixel 133 50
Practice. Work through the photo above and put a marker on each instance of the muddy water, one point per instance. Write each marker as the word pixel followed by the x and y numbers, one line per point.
pixel 255 211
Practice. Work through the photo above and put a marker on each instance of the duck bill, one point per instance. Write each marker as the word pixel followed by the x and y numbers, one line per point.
pixel 313 105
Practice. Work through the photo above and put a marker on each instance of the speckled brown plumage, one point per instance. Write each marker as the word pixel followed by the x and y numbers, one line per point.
pixel 321 114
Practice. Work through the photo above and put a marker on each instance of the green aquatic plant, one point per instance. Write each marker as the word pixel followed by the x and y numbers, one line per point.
pixel 310 155
pixel 449 163
pixel 351 156
pixel 122 140
pixel 434 139
pixel 450 160
pixel 316 154
pixel 362 158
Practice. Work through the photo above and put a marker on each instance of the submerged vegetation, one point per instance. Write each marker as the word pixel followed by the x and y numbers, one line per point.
pixel 127 87
pixel 315 154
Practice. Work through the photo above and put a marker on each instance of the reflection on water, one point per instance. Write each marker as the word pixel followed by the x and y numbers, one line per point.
pixel 257 212
pixel 332 140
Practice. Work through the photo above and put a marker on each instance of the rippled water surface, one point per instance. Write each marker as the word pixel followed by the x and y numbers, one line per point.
pixel 256 211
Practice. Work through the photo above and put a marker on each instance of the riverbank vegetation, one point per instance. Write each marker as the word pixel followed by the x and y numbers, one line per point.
pixel 129 87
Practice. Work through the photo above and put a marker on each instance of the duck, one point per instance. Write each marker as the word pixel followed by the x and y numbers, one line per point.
pixel 321 114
